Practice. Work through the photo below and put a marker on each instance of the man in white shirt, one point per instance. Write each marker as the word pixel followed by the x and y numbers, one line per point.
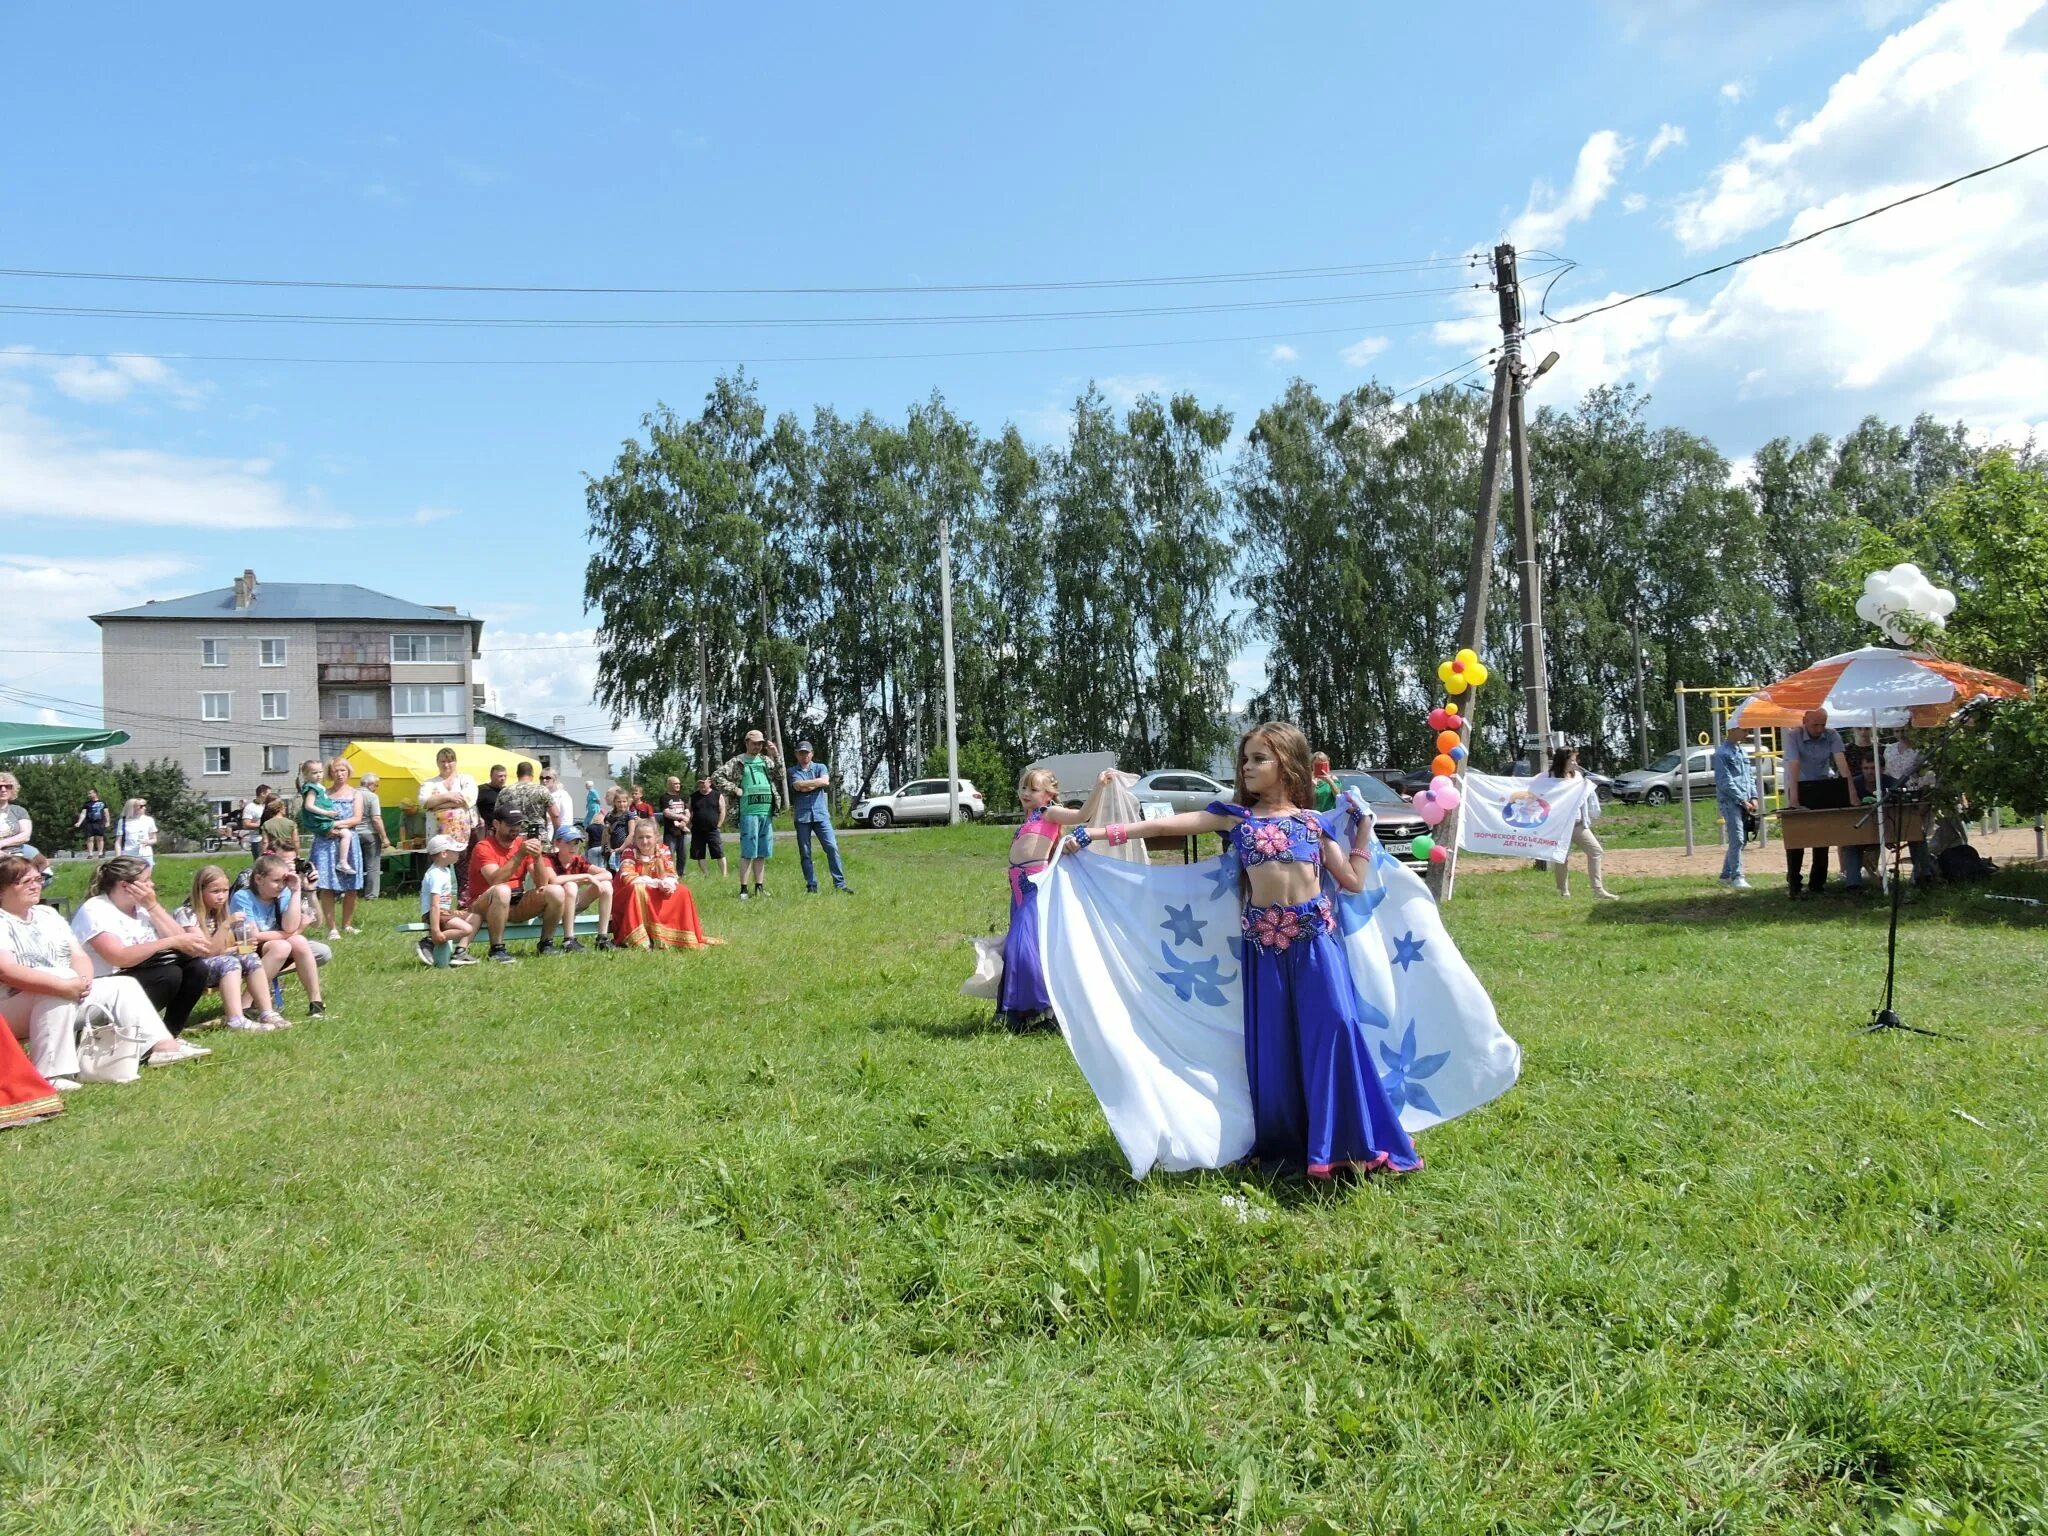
pixel 561 808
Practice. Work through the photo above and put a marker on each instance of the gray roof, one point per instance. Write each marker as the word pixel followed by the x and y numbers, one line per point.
pixel 512 727
pixel 299 600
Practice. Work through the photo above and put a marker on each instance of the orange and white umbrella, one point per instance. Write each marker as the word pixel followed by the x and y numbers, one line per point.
pixel 1875 686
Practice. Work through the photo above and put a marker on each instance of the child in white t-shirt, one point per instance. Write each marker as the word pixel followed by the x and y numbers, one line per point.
pixel 445 921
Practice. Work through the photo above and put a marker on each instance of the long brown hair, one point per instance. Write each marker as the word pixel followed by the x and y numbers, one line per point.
pixel 209 922
pixel 1290 747
pixel 120 870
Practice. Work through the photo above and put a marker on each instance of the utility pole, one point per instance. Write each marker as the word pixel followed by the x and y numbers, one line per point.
pixel 946 636
pixel 1479 574
pixel 1536 683
pixel 1635 634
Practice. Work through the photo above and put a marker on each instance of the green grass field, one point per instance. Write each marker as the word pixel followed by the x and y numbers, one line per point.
pixel 786 1237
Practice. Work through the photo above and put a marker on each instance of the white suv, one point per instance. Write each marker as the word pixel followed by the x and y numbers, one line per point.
pixel 919 800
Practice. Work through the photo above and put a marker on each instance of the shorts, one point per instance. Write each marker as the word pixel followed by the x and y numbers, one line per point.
pixel 709 843
pixel 757 837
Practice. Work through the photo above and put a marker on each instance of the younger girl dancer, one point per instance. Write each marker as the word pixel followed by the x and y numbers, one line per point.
pixel 1021 1000
pixel 1317 1102
pixel 233 966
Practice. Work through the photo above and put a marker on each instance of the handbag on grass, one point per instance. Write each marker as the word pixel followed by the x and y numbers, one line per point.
pixel 109 1051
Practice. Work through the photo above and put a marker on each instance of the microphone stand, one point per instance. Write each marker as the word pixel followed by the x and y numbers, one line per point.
pixel 1884 1018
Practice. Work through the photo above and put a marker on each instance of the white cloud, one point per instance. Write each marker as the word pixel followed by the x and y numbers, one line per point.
pixel 1282 353
pixel 1734 91
pixel 1669 136
pixel 1547 216
pixel 434 514
pixel 100 381
pixel 55 648
pixel 1951 91
pixel 1635 202
pixel 1363 351
pixel 539 674
pixel 49 473
pixel 1936 306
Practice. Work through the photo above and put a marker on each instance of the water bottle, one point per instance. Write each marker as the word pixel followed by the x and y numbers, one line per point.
pixel 244 941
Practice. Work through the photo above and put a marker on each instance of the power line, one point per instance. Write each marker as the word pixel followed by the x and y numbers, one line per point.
pixel 1262 275
pixel 1773 250
pixel 728 359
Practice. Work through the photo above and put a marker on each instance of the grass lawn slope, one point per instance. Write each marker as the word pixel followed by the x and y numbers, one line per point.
pixel 786 1237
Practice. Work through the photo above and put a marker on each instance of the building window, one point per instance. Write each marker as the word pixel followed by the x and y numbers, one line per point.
pixel 426 699
pixel 414 648
pixel 270 653
pixel 277 759
pixel 219 760
pixel 277 706
pixel 215 706
pixel 358 704
pixel 225 814
pixel 213 653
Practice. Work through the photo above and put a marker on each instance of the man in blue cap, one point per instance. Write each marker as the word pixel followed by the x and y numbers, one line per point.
pixel 810 789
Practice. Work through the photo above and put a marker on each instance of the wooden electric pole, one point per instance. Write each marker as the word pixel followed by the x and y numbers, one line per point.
pixel 1535 684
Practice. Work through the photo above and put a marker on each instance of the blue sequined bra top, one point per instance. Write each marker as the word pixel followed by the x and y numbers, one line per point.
pixel 1296 838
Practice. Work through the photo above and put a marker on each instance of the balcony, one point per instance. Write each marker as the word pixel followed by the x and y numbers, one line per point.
pixel 340 673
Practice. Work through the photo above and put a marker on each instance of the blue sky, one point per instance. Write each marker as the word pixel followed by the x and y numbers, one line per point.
pixel 811 146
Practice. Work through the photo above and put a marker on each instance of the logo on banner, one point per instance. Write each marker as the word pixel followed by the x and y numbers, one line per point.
pixel 1525 812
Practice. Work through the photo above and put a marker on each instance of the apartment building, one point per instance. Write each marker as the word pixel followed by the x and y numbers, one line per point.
pixel 241 684
pixel 580 763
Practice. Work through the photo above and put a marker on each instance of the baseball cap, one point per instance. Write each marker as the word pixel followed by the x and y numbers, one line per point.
pixel 441 843
pixel 803 746
pixel 569 834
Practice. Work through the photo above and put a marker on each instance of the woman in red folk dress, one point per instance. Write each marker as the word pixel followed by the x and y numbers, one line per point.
pixel 654 909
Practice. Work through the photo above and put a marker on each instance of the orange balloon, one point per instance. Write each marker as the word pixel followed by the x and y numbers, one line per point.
pixel 1445 740
pixel 1443 767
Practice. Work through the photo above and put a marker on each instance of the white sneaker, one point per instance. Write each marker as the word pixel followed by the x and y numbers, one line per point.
pixel 66 1084
pixel 1602 894
pixel 192 1050
pixel 334 935
pixel 351 928
pixel 1740 884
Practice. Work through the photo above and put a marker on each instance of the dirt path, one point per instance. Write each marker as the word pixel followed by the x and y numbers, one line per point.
pixel 2012 845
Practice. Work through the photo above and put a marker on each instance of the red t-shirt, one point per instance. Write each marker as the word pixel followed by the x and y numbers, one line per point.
pixel 490 852
pixel 571 864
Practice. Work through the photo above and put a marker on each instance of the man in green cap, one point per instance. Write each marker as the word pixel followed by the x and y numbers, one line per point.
pixel 754 780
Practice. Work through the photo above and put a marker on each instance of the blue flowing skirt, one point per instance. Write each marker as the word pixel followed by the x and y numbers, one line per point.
pixel 327 875
pixel 1023 991
pixel 1316 1100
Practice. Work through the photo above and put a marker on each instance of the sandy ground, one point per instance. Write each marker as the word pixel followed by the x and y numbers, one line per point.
pixel 2010 846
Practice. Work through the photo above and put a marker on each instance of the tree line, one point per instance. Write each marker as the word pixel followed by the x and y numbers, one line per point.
pixel 1103 584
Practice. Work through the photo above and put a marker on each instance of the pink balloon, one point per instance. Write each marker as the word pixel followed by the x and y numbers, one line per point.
pixel 1450 799
pixel 1441 786
pixel 1420 799
pixel 1433 813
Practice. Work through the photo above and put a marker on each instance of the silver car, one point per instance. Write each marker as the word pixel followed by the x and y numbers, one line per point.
pixel 1179 789
pixel 921 800
pixel 1659 783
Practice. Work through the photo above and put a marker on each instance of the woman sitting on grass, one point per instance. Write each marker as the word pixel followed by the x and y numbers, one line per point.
pixel 126 931
pixel 47 984
pixel 656 910
pixel 231 962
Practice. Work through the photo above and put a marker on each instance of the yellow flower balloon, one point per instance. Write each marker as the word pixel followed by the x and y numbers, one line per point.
pixel 1455 686
pixel 1444 672
pixel 1476 673
pixel 1450 709
pixel 1468 656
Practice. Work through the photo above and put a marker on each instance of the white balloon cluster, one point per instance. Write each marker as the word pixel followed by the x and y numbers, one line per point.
pixel 1901 596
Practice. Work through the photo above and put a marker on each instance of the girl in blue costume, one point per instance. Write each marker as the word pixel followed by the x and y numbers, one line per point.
pixel 1317 1102
pixel 1021 1001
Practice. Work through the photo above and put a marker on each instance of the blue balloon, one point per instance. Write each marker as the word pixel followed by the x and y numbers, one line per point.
pixel 1457 754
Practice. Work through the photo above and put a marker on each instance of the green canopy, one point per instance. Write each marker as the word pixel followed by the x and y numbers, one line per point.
pixel 21 740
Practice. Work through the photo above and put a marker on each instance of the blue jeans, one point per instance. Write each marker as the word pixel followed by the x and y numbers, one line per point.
pixel 823 831
pixel 1731 821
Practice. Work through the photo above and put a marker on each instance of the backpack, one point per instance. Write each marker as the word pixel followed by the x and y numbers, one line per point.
pixel 1964 865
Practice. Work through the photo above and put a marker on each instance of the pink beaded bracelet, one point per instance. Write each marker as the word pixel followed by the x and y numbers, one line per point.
pixel 1116 834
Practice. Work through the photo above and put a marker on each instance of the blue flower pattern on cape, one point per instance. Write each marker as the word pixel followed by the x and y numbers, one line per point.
pixel 1408 949
pixel 1403 1070
pixel 1222 877
pixel 1182 923
pixel 1195 980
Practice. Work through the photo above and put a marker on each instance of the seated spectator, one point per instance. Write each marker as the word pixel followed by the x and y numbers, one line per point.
pixel 586 884
pixel 499 866
pixel 16 827
pixel 274 905
pixel 231 961
pixel 135 835
pixel 446 922
pixel 127 932
pixel 47 984
pixel 658 911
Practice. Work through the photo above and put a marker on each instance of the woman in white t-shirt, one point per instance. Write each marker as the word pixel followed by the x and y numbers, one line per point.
pixel 1564 764
pixel 47 984
pixel 138 832
pixel 126 932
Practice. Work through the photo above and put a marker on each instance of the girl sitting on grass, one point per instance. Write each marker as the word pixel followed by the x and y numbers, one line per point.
pixel 233 963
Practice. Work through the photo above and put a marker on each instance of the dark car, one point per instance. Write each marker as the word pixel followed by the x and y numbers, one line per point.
pixel 1394 818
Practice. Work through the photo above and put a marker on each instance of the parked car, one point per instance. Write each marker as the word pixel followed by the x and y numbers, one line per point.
pixel 1179 789
pixel 1076 772
pixel 919 800
pixel 1394 819
pixel 1658 783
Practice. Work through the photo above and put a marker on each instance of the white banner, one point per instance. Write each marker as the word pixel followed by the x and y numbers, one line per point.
pixel 1521 818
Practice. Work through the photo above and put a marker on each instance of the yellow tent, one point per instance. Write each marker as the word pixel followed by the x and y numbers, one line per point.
pixel 402 766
